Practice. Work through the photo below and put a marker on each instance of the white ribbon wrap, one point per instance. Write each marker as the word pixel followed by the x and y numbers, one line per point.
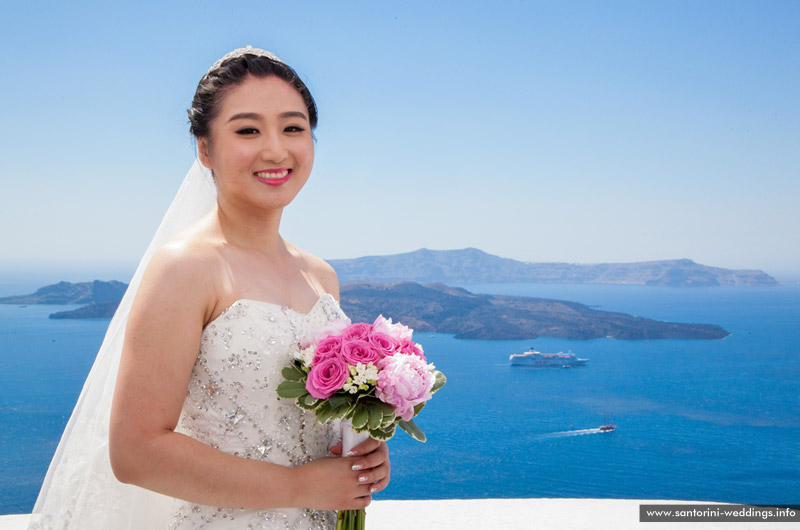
pixel 351 438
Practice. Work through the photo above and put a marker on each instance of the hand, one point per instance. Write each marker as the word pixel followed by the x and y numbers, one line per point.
pixel 343 483
pixel 330 484
pixel 371 460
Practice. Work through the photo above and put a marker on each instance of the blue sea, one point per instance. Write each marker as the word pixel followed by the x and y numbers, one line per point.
pixel 696 420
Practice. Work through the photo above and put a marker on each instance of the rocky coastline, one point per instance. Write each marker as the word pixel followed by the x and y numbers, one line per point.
pixel 433 307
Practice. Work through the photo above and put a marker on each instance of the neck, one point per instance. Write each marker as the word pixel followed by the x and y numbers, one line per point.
pixel 253 229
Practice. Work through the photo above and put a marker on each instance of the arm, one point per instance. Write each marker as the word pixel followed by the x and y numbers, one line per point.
pixel 174 301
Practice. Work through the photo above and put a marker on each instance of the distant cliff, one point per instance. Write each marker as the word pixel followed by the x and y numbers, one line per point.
pixel 437 307
pixel 471 265
pixel 102 298
pixel 431 307
pixel 63 293
pixel 93 310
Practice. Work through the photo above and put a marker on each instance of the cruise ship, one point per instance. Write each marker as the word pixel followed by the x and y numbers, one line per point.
pixel 546 360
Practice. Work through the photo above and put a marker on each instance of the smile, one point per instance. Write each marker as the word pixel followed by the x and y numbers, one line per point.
pixel 273 177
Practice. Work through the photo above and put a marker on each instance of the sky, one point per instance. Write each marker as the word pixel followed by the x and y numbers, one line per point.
pixel 583 132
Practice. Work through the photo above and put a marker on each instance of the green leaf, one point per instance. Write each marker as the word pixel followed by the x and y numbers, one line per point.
pixel 389 414
pixel 307 401
pixel 291 389
pixel 341 412
pixel 382 434
pixel 375 415
pixel 439 382
pixel 411 428
pixel 360 416
pixel 337 400
pixel 419 407
pixel 324 413
pixel 292 373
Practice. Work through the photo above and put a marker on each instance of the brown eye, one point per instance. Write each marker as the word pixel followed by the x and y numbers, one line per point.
pixel 247 131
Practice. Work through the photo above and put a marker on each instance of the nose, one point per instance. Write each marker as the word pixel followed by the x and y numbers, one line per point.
pixel 273 148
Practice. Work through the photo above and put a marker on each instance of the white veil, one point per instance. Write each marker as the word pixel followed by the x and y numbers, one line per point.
pixel 80 490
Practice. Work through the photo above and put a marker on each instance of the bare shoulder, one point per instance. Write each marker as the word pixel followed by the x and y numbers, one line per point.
pixel 322 272
pixel 181 272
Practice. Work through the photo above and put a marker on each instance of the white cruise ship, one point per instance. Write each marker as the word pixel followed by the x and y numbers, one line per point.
pixel 546 360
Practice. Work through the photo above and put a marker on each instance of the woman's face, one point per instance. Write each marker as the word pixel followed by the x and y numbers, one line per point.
pixel 260 145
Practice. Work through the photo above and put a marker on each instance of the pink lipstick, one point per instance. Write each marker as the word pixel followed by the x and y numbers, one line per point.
pixel 274 177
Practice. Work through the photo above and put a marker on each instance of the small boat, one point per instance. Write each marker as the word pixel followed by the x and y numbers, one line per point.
pixel 608 424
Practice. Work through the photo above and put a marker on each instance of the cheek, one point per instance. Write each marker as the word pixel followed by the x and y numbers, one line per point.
pixel 237 161
pixel 244 154
pixel 307 150
pixel 304 154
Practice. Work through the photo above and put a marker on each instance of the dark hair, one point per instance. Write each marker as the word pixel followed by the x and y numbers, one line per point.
pixel 231 73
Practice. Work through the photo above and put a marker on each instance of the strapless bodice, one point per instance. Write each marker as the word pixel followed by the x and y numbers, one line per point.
pixel 232 405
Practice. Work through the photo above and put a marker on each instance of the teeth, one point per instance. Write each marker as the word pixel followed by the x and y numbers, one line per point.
pixel 273 175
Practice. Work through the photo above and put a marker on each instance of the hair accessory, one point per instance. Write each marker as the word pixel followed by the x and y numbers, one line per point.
pixel 238 52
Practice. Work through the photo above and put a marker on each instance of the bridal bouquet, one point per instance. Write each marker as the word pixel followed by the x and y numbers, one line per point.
pixel 372 376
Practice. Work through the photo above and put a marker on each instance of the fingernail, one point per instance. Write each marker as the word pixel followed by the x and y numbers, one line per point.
pixel 363 478
pixel 373 489
pixel 351 453
pixel 356 467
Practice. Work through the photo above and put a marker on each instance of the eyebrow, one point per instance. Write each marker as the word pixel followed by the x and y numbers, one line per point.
pixel 256 116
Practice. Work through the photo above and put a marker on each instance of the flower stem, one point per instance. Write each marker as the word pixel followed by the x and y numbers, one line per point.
pixel 351 519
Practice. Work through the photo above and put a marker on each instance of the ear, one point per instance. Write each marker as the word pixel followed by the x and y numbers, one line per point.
pixel 203 152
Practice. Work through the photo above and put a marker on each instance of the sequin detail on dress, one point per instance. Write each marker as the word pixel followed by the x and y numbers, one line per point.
pixel 232 406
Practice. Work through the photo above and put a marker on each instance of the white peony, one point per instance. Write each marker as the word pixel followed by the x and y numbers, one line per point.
pixel 397 331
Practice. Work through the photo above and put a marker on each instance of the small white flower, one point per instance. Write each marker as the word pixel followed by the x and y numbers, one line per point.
pixel 305 356
pixel 364 375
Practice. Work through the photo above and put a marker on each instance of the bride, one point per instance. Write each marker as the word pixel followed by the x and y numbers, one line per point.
pixel 179 424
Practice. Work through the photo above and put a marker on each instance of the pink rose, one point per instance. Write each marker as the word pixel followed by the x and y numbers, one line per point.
pixel 326 378
pixel 404 381
pixel 359 351
pixel 411 348
pixel 383 343
pixel 396 331
pixel 357 331
pixel 327 348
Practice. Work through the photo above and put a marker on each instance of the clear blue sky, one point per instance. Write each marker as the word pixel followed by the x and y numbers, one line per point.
pixel 542 131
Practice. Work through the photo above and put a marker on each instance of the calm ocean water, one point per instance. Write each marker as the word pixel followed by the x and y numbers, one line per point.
pixel 702 420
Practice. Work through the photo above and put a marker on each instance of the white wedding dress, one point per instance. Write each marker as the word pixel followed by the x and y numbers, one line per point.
pixel 232 405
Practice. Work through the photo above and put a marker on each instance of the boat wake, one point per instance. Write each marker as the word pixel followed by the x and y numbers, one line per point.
pixel 564 434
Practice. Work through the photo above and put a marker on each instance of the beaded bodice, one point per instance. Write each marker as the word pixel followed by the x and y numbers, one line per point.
pixel 232 405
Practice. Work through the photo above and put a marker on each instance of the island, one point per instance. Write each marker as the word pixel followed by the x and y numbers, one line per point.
pixel 474 266
pixel 439 308
pixel 433 307
pixel 92 310
pixel 101 298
